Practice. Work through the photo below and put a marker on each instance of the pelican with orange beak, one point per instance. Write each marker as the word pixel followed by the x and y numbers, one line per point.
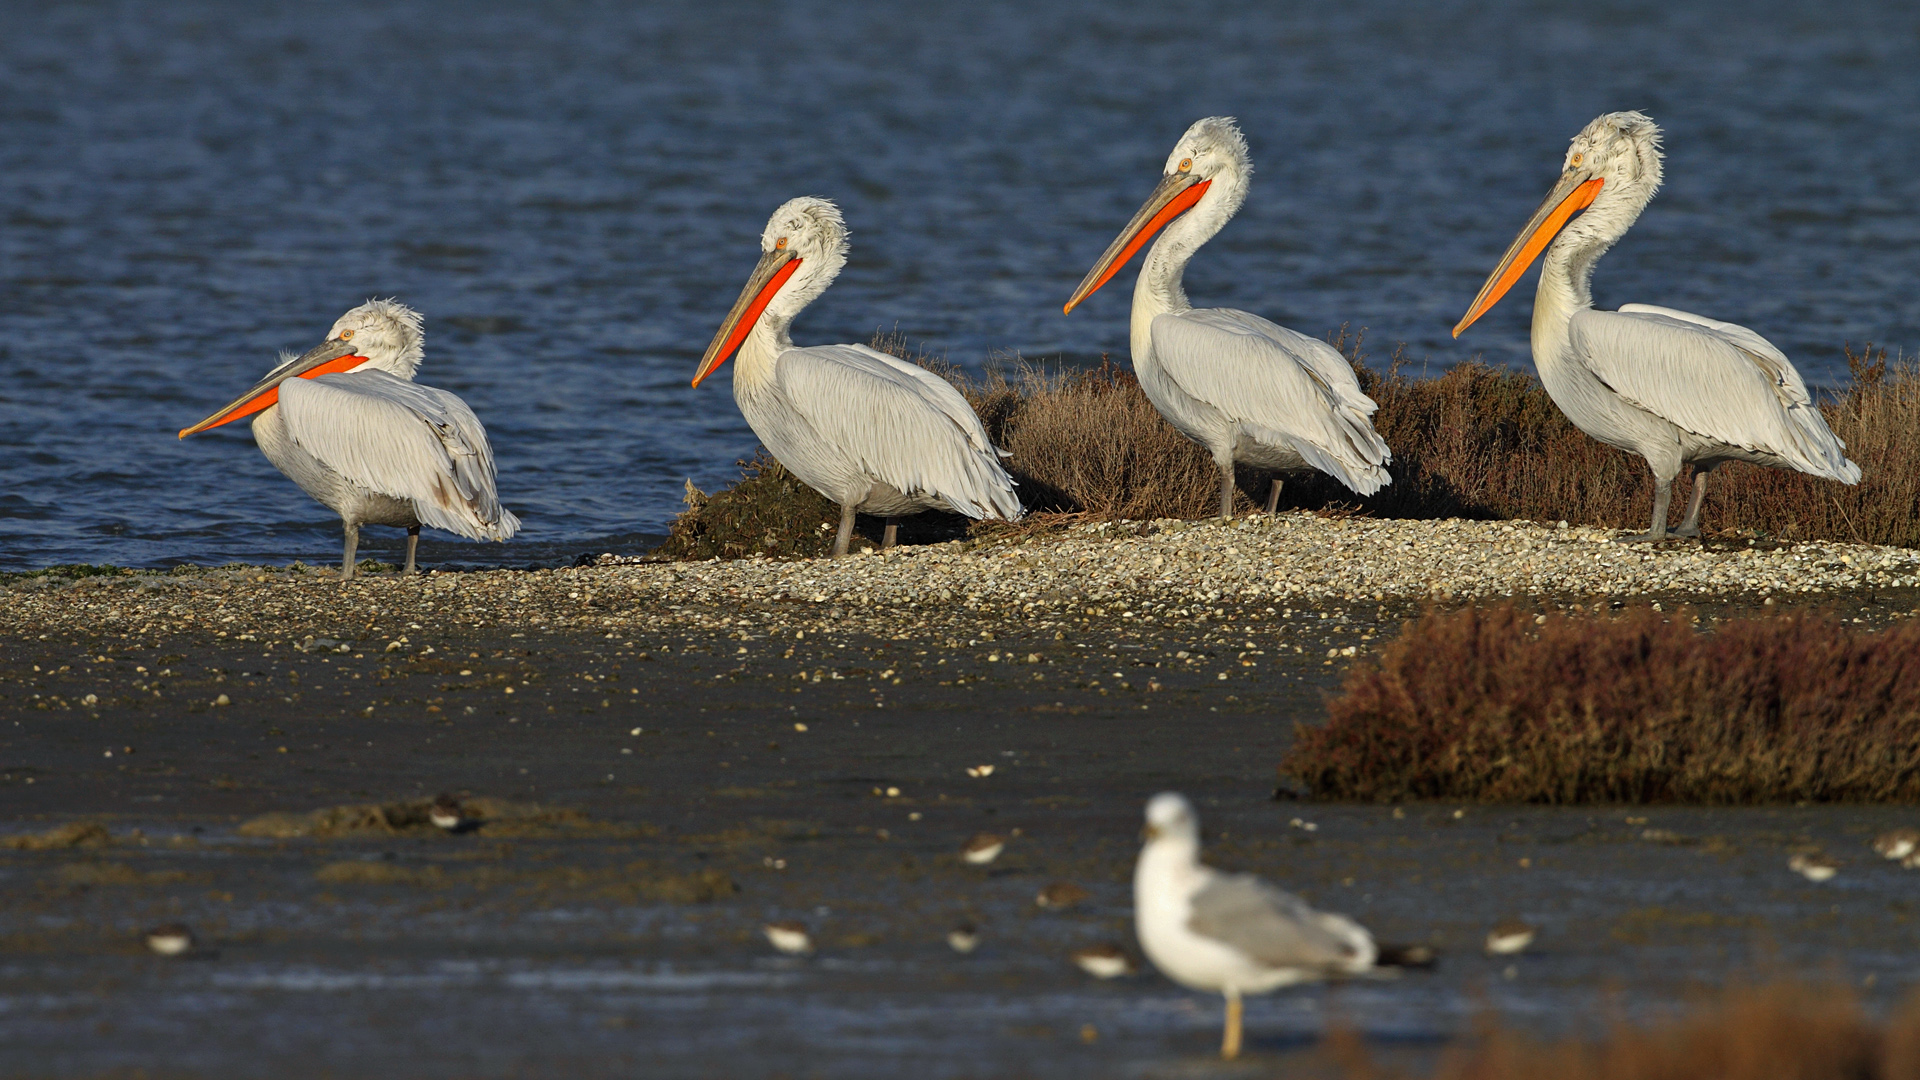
pixel 871 432
pixel 347 423
pixel 1246 389
pixel 1674 387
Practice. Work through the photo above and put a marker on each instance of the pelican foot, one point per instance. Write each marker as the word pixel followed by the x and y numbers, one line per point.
pixel 1686 532
pixel 1645 538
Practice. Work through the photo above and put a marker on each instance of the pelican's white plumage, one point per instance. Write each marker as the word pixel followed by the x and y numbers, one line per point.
pixel 371 444
pixel 1674 387
pixel 1246 389
pixel 869 431
pixel 1230 934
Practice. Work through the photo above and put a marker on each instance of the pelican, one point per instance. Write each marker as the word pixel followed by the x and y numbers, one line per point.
pixel 1240 386
pixel 1674 387
pixel 346 422
pixel 1230 934
pixel 872 433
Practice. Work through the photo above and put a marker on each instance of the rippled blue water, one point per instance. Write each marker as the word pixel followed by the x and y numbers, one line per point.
pixel 572 192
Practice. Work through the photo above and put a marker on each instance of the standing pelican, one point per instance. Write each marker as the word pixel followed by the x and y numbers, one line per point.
pixel 1231 934
pixel 1673 387
pixel 868 431
pixel 1240 386
pixel 347 423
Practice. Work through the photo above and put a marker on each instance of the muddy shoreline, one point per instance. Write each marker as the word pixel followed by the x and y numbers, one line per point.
pixel 570 952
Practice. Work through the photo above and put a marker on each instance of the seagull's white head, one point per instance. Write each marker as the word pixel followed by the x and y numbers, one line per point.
pixel 386 332
pixel 1611 171
pixel 1205 179
pixel 801 251
pixel 379 334
pixel 1170 818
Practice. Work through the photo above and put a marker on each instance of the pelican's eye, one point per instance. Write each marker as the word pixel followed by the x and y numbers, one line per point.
pixel 346 335
pixel 780 244
pixel 1186 164
pixel 1574 161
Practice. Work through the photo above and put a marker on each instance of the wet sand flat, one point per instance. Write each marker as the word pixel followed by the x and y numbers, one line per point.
pixel 797 761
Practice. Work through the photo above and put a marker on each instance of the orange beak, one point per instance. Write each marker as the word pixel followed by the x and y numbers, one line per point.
pixel 773 270
pixel 1176 195
pixel 328 358
pixel 1570 196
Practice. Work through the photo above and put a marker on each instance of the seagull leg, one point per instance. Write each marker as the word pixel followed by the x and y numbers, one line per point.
pixel 1230 1042
pixel 413 541
pixel 1226 489
pixel 1691 526
pixel 1662 500
pixel 353 545
pixel 1273 496
pixel 892 535
pixel 845 536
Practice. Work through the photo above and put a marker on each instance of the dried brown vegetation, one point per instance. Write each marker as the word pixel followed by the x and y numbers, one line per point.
pixel 1782 1031
pixel 1476 442
pixel 1486 704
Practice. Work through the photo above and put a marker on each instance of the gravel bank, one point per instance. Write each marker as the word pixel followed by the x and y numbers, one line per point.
pixel 1140 570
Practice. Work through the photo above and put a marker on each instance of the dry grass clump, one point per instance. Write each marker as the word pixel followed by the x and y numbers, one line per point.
pixel 1782 1031
pixel 768 511
pixel 1485 704
pixel 71 835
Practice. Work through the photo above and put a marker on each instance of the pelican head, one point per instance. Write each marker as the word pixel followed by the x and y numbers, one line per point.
pixel 801 251
pixel 1211 150
pixel 1170 817
pixel 381 334
pixel 1611 170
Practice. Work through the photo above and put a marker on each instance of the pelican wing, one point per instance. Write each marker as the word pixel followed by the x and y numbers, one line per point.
pixel 1276 927
pixel 405 441
pixel 1715 379
pixel 903 424
pixel 1280 385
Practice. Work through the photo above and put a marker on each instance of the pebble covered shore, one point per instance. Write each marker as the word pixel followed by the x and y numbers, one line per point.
pixel 1130 570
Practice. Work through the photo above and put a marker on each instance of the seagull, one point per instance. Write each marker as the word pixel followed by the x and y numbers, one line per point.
pixel 1242 387
pixel 1230 934
pixel 347 423
pixel 1673 387
pixel 871 432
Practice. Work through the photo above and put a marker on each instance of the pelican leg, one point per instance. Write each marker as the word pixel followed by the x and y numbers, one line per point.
pixel 1662 501
pixel 1691 526
pixel 353 545
pixel 413 541
pixel 892 535
pixel 845 536
pixel 1226 490
pixel 1230 1041
pixel 1273 496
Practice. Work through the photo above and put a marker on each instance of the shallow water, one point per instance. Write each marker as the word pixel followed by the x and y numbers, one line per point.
pixel 572 194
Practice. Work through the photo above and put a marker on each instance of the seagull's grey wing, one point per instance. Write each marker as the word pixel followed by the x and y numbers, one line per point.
pixel 403 440
pixel 1277 928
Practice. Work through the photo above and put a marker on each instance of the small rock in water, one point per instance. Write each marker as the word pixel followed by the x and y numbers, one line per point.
pixel 791 938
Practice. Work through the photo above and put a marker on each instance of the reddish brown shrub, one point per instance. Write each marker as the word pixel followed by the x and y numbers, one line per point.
pixel 1782 1031
pixel 1485 704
